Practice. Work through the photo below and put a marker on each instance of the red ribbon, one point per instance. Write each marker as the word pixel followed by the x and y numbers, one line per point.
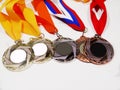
pixel 99 24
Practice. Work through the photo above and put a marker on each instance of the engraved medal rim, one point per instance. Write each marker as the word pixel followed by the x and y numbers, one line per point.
pixel 45 57
pixel 17 66
pixel 82 56
pixel 69 41
pixel 97 60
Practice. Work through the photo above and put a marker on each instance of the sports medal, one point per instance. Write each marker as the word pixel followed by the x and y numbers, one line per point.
pixel 12 25
pixel 75 22
pixel 96 49
pixel 65 48
pixel 100 50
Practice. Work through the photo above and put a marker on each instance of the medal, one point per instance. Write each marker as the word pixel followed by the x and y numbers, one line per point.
pixel 42 47
pixel 24 20
pixel 98 50
pixel 76 23
pixel 81 42
pixel 13 27
pixel 64 49
pixel 12 65
pixel 46 47
pixel 69 47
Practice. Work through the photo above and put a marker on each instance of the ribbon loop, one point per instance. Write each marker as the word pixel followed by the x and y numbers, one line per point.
pixel 99 24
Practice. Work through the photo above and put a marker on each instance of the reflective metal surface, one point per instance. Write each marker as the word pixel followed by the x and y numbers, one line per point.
pixel 81 54
pixel 7 62
pixel 64 49
pixel 46 56
pixel 99 50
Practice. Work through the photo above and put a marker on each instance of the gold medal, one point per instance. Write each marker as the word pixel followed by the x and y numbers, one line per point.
pixel 19 66
pixel 15 23
pixel 45 46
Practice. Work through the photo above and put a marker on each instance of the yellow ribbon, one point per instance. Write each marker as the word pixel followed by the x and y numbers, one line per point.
pixel 14 25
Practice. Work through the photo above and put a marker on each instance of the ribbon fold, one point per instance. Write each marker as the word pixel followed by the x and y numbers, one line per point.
pixel 16 23
pixel 43 16
pixel 76 23
pixel 99 24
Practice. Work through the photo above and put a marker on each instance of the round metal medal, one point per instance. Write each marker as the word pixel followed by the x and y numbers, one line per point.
pixel 42 48
pixel 99 50
pixel 64 49
pixel 81 55
pixel 22 64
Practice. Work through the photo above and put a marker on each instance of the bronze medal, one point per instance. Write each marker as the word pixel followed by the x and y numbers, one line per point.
pixel 81 54
pixel 99 50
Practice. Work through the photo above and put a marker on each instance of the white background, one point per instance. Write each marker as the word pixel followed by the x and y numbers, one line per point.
pixel 75 75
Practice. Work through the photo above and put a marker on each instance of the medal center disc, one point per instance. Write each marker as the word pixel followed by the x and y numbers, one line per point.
pixel 64 49
pixel 98 49
pixel 39 49
pixel 18 56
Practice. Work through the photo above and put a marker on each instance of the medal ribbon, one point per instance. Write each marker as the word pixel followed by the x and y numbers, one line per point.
pixel 99 24
pixel 76 23
pixel 44 16
pixel 14 24
pixel 84 1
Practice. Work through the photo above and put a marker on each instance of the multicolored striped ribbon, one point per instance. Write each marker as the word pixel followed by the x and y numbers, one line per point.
pixel 76 23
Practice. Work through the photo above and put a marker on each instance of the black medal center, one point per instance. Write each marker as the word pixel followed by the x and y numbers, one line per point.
pixel 98 49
